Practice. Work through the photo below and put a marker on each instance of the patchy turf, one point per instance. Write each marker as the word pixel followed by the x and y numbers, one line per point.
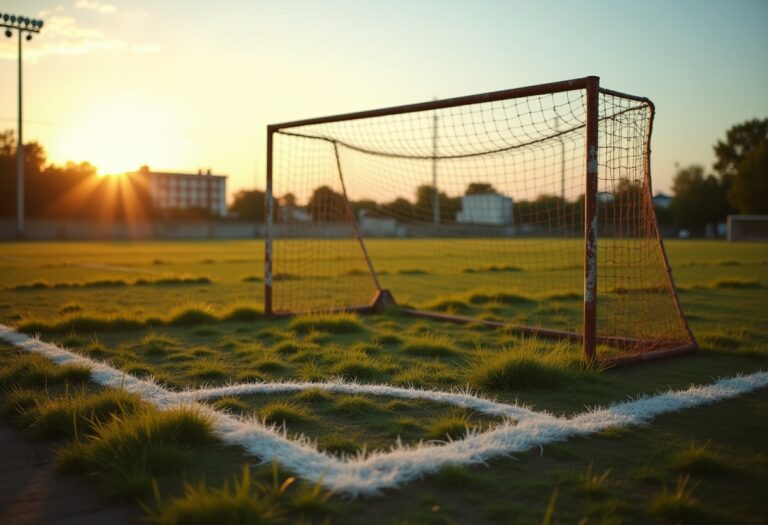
pixel 699 466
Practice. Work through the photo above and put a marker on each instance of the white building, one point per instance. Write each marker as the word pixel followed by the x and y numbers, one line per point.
pixel 485 208
pixel 187 190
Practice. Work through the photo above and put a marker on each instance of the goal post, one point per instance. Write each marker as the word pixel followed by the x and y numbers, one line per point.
pixel 507 208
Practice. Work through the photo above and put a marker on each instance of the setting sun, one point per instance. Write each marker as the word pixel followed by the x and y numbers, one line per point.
pixel 120 132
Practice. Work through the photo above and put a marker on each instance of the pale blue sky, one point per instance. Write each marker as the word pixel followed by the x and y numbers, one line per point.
pixel 181 85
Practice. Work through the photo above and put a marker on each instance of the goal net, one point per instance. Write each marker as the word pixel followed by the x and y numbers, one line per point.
pixel 529 207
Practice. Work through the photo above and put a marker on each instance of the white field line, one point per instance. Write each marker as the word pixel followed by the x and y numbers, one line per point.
pixel 370 473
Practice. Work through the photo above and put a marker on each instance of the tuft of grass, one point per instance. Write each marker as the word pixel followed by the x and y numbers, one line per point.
pixel 429 345
pixel 412 271
pixel 310 371
pixel 389 339
pixel 449 305
pixel 338 444
pixel 426 375
pixel 282 412
pixel 243 314
pixel 251 279
pixel 192 315
pixel 173 281
pixel 81 322
pixel 359 367
pixel 735 283
pixel 511 372
pixel 338 323
pixel 696 458
pixel 128 451
pixel 245 501
pixel 231 404
pixel 36 371
pixel 269 365
pixel 73 340
pixel 565 296
pixel 71 308
pixel 208 369
pixel 81 411
pixel 451 427
pixel 205 331
pixel 492 269
pixel 156 343
pixel 591 483
pixel 679 504
pixel 313 395
pixel 505 298
pixel 355 405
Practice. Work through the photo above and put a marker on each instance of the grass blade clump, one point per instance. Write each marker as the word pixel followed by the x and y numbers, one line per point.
pixel 244 502
pixel 34 370
pixel 528 364
pixel 192 315
pixel 450 427
pixel 735 283
pixel 243 314
pixel 506 298
pixel 358 367
pixel 66 416
pixel 697 458
pixel 157 343
pixel 129 450
pixel 81 322
pixel 282 412
pixel 355 405
pixel 338 323
pixel 429 345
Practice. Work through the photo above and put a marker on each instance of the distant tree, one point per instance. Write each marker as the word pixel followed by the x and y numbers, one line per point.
pixel 476 188
pixel 425 201
pixel 399 209
pixel 749 190
pixel 289 199
pixel 248 205
pixel 370 206
pixel 327 205
pixel 699 199
pixel 739 142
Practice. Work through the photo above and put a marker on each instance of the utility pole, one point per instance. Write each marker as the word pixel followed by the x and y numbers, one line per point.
pixel 436 196
pixel 21 24
pixel 562 156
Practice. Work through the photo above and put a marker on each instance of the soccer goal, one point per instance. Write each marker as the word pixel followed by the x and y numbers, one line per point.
pixel 527 208
pixel 748 228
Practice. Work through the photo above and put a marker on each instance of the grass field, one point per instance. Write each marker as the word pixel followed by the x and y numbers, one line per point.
pixel 189 314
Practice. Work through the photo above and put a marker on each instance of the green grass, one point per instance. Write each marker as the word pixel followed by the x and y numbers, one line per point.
pixel 334 323
pixel 215 332
pixel 128 451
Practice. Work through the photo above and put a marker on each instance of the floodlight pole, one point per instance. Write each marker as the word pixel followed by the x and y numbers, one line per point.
pixel 436 195
pixel 20 24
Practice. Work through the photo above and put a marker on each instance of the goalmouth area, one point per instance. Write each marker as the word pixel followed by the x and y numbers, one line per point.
pixel 542 190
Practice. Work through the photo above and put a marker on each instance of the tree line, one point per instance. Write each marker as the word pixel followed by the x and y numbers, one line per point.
pixel 738 183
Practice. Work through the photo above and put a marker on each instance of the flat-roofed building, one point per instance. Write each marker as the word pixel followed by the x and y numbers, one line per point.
pixel 184 191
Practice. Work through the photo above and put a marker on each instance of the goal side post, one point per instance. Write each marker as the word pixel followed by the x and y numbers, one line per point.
pixel 269 227
pixel 590 221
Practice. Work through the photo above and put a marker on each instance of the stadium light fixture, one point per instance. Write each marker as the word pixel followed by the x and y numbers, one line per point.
pixel 22 25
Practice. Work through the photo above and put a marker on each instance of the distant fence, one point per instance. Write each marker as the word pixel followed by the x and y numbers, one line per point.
pixel 75 230
pixel 62 230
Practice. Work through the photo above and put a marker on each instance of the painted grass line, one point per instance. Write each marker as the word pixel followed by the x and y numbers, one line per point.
pixel 462 399
pixel 371 473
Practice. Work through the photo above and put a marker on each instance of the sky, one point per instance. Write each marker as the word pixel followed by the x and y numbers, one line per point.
pixel 184 85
